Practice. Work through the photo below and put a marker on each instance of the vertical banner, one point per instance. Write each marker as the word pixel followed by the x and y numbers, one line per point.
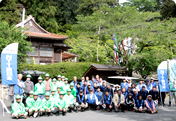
pixel 116 49
pixel 172 74
pixel 162 77
pixel 9 64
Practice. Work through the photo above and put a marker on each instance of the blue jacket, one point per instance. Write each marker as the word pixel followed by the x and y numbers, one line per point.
pixel 125 94
pixel 99 95
pixel 81 99
pixel 77 90
pixel 107 100
pixel 83 88
pixel 124 85
pixel 17 89
pixel 153 84
pixel 89 101
pixel 144 94
pixel 135 97
pixel 139 103
pixel 75 84
pixel 102 88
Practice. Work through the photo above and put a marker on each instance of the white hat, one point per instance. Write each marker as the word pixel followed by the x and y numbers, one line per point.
pixel 134 90
pixel 152 78
pixel 129 85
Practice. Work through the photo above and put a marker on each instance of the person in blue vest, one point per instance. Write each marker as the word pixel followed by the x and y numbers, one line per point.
pixel 95 87
pixel 130 102
pixel 124 92
pixel 81 103
pixel 144 93
pixel 111 92
pixel 103 86
pixel 140 85
pixel 124 84
pixel 89 81
pixel 99 94
pixel 135 94
pixel 92 100
pixel 18 88
pixel 152 82
pixel 129 89
pixel 75 81
pixel 78 88
pixel 139 105
pixel 107 101
pixel 155 95
pixel 148 85
pixel 82 81
pixel 85 88
pixel 149 103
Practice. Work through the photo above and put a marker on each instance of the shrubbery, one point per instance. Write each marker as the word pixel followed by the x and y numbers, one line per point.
pixel 67 69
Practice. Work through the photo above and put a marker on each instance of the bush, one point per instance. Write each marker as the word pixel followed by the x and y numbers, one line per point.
pixel 67 69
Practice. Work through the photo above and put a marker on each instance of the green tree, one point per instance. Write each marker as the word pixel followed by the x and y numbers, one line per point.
pixel 168 9
pixel 10 34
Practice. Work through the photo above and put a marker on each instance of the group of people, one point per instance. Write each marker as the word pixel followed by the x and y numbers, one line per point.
pixel 55 96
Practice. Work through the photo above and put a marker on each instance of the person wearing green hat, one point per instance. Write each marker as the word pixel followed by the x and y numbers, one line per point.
pixel 29 101
pixel 65 86
pixel 47 104
pixel 40 88
pixel 18 109
pixel 61 104
pixel 59 82
pixel 36 106
pixel 29 86
pixel 58 91
pixel 73 90
pixel 69 100
pixel 53 98
pixel 47 83
pixel 54 84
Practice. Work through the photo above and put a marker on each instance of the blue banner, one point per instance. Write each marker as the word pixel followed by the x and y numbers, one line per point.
pixel 162 77
pixel 172 74
pixel 9 64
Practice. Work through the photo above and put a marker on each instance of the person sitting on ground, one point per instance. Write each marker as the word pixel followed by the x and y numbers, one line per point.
pixel 150 105
pixel 61 104
pixel 139 105
pixel 155 95
pixel 99 94
pixel 81 102
pixel 124 92
pixel 53 98
pixel 107 101
pixel 130 102
pixel 40 88
pixel 119 101
pixel 29 101
pixel 36 106
pixel 69 100
pixel 78 88
pixel 144 93
pixel 47 104
pixel 92 100
pixel 18 109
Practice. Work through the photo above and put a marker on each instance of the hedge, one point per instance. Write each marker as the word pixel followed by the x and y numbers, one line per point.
pixel 67 69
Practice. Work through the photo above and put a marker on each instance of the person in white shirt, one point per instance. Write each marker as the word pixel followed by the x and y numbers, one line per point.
pixel 92 100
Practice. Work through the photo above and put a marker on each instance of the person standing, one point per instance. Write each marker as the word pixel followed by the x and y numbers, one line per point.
pixel 124 84
pixel 47 83
pixel 148 85
pixel 140 85
pixel 111 92
pixel 18 88
pixel 29 86
pixel 152 82
pixel 155 95
pixel 144 93
pixel 75 81
pixel 40 88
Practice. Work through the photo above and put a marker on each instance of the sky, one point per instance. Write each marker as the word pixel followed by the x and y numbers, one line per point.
pixel 122 1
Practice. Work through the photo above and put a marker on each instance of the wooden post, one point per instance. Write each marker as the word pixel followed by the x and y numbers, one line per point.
pixel 61 56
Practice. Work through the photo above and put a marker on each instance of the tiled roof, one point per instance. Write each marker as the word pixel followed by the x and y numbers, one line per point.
pixel 45 35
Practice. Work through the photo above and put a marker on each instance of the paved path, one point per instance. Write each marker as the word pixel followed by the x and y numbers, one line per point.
pixel 165 114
